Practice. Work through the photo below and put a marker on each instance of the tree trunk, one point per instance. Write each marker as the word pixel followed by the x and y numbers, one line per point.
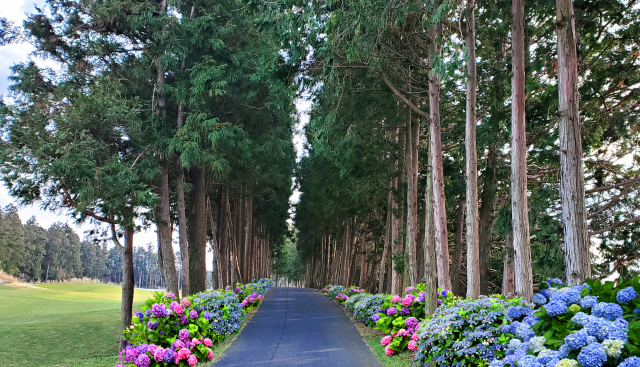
pixel 439 204
pixel 197 232
pixel 473 241
pixel 182 231
pixel 164 231
pixel 457 252
pixel 508 275
pixel 572 196
pixel 486 217
pixel 363 260
pixel 411 154
pixel 126 307
pixel 519 206
pixel 430 263
pixel 386 240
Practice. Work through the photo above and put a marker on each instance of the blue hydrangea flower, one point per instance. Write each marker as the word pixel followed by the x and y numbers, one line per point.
pixel 529 361
pixel 524 332
pixel 609 311
pixel 630 362
pixel 555 308
pixel 536 344
pixel 592 356
pixel 580 318
pixel 626 295
pixel 514 312
pixel 576 340
pixel 531 320
pixel 547 355
pixel 553 362
pixel 589 302
pixel 539 299
pixel 563 351
pixel 514 344
pixel 591 339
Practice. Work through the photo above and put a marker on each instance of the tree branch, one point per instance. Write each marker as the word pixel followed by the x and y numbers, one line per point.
pixel 606 188
pixel 613 200
pixel 69 202
pixel 614 226
pixel 620 263
pixel 115 240
pixel 403 98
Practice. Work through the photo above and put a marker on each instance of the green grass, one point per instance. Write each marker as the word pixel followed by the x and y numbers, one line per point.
pixel 61 325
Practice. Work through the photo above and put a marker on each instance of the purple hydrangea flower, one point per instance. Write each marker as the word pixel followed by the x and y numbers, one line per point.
pixel 170 295
pixel 206 315
pixel 143 361
pixel 405 311
pixel 159 309
pixel 184 335
pixel 152 325
pixel 411 322
pixel 193 314
pixel 184 320
pixel 139 315
pixel 391 311
pixel 169 355
pixel 375 318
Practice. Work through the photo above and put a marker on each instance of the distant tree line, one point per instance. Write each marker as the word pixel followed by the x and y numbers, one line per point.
pixel 32 253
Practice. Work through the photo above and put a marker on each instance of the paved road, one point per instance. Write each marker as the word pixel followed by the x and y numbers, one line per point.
pixel 298 327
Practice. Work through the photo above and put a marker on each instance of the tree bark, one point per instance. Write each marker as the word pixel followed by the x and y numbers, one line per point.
pixel 128 283
pixel 197 232
pixel 396 277
pixel 508 275
pixel 486 217
pixel 473 240
pixel 363 260
pixel 519 202
pixel 430 263
pixel 439 204
pixel 182 231
pixel 411 154
pixel 572 195
pixel 457 252
pixel 387 234
pixel 164 231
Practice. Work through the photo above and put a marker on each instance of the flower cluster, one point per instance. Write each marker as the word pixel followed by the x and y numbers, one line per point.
pixel 168 331
pixel 585 325
pixel 470 332
pixel 335 290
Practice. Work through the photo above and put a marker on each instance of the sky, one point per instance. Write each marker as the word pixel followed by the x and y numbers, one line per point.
pixel 16 11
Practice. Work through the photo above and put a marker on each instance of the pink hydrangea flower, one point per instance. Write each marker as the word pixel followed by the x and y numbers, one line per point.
pixel 209 354
pixel 184 353
pixel 386 340
pixel 192 360
pixel 402 332
pixel 388 351
pixel 119 365
pixel 244 303
pixel 412 346
pixel 208 342
pixel 194 342
pixel 407 301
pixel 159 354
pixel 396 299
pixel 176 308
pixel 186 302
pixel 414 337
pixel 152 349
pixel 391 311
pixel 259 297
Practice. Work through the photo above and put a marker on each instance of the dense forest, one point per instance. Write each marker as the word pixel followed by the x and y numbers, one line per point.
pixel 479 146
pixel 32 253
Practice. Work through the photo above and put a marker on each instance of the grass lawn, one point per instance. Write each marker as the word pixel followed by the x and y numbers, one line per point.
pixel 61 325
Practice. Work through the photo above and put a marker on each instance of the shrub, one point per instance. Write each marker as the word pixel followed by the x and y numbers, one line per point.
pixel 224 310
pixel 593 325
pixel 335 290
pixel 166 330
pixel 367 307
pixel 468 332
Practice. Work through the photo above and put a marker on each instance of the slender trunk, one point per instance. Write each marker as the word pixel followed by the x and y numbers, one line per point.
pixel 519 206
pixel 439 204
pixel 473 240
pixel 126 307
pixel 363 260
pixel 387 233
pixel 508 276
pixel 411 154
pixel 486 217
pixel 572 196
pixel 430 263
pixel 247 233
pixel 197 232
pixel 224 236
pixel 457 252
pixel 182 232
pixel 164 231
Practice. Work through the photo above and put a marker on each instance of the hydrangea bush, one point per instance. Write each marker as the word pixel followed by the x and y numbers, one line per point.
pixel 591 325
pixel 166 332
pixel 468 332
pixel 335 290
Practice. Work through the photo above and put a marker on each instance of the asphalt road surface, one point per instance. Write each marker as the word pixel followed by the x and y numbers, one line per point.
pixel 298 327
